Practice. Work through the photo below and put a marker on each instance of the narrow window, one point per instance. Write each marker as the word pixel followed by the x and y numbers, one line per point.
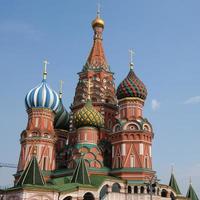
pixel 123 149
pixel 141 148
pixel 132 160
pixel 150 152
pixel 113 151
pixel 146 162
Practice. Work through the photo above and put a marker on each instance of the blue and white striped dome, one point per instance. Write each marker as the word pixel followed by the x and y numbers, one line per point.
pixel 42 96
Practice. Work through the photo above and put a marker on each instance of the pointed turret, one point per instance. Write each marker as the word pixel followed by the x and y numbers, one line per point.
pixel 96 59
pixel 191 194
pixel 32 174
pixel 173 184
pixel 80 174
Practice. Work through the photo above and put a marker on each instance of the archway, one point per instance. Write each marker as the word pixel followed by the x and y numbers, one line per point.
pixel 135 189
pixel 103 192
pixel 129 189
pixel 68 198
pixel 88 196
pixel 116 187
pixel 164 193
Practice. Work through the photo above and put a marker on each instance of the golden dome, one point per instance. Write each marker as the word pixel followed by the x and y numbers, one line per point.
pixel 98 22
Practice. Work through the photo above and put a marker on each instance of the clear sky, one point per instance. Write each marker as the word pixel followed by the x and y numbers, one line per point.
pixel 166 38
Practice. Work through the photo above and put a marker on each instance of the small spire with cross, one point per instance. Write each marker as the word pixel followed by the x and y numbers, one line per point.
pixel 45 63
pixel 131 58
pixel 61 89
pixel 190 180
pixel 172 168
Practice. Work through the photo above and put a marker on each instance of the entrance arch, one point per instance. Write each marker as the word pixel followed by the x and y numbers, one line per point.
pixel 88 196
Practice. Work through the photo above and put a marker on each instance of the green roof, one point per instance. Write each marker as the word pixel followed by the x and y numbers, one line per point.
pixel 80 174
pixel 191 194
pixel 32 174
pixel 173 184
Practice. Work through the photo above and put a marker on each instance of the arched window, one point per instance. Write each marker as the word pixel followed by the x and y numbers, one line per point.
pixel 135 189
pixel 164 193
pixel 142 190
pixel 172 196
pixel 103 192
pixel 146 162
pixel 118 162
pixel 88 196
pixel 129 189
pixel 116 187
pixel 68 198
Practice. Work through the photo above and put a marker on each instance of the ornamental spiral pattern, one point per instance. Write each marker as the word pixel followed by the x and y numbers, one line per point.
pixel 131 86
pixel 42 96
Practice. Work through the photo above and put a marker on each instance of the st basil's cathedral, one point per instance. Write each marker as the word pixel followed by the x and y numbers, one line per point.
pixel 100 150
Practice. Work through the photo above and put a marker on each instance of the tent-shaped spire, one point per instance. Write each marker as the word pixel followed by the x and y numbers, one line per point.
pixel 32 174
pixel 80 174
pixel 191 194
pixel 173 184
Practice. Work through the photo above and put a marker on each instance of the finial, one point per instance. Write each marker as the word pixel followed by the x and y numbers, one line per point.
pixel 131 58
pixel 45 62
pixel 61 89
pixel 172 168
pixel 89 88
pixel 98 9
pixel 190 180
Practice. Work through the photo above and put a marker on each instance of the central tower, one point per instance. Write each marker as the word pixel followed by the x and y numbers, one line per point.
pixel 98 71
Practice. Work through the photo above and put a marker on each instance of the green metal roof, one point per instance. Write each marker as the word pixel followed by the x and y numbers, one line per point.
pixel 191 194
pixel 32 174
pixel 173 184
pixel 80 174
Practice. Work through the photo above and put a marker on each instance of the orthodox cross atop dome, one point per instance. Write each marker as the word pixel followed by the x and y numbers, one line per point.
pixel 131 53
pixel 98 9
pixel 61 89
pixel 45 63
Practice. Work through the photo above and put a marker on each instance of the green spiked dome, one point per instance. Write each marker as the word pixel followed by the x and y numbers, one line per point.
pixel 131 86
pixel 61 120
pixel 88 116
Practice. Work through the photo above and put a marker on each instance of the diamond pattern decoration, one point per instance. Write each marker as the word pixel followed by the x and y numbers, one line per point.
pixel 131 86
pixel 88 116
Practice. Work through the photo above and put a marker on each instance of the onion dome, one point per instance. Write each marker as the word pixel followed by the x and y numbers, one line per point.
pixel 88 116
pixel 131 86
pixel 98 21
pixel 61 120
pixel 42 96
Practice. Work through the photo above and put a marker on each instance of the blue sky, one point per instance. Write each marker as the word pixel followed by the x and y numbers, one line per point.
pixel 165 37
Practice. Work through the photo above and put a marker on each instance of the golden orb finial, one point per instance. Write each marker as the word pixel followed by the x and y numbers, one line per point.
pixel 98 21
